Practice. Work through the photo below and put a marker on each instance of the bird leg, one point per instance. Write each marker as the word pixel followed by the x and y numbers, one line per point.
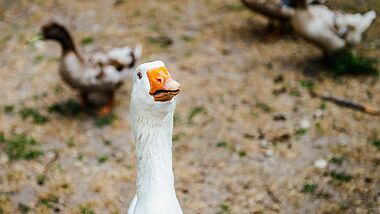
pixel 84 99
pixel 106 109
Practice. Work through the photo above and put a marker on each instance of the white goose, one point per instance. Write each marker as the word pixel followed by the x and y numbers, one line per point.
pixel 330 30
pixel 152 109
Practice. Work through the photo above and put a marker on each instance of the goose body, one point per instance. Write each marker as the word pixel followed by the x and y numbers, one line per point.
pixel 96 75
pixel 330 30
pixel 152 109
pixel 275 9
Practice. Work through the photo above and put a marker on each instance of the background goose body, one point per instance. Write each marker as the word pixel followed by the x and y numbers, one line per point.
pixel 276 9
pixel 330 30
pixel 152 110
pixel 96 76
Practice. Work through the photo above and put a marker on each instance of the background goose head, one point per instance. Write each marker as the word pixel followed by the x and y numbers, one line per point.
pixel 124 58
pixel 154 90
pixel 59 33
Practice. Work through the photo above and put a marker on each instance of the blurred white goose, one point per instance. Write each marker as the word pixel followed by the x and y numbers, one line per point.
pixel 95 76
pixel 330 30
pixel 152 109
pixel 280 10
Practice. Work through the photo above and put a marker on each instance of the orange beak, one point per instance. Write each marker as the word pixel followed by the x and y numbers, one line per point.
pixel 162 86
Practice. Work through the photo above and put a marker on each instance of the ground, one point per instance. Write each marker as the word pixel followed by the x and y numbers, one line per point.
pixel 247 133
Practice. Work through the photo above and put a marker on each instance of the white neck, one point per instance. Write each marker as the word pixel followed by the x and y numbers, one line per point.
pixel 155 179
pixel 154 153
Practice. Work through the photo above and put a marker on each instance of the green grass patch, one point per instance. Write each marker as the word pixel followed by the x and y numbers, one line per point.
pixel 309 188
pixel 222 144
pixel 19 146
pixel 264 107
pixel 234 7
pixel 87 40
pixel 376 143
pixel 299 132
pixel 107 142
pixel 177 137
pixel 337 161
pixel 350 64
pixel 33 113
pixel 307 84
pixel 49 202
pixel 38 58
pixel 86 210
pixel 224 209
pixel 341 176
pixel 242 153
pixel 40 179
pixel 162 41
pixel 8 109
pixel 195 111
pixel 23 208
pixel 105 120
pixel 102 158
pixel 69 108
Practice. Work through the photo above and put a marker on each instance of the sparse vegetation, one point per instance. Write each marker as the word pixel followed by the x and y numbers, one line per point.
pixel 69 108
pixel 87 40
pixel 86 210
pixel 49 202
pixel 337 160
pixel 107 142
pixel 234 7
pixel 162 41
pixel 340 176
pixel 376 143
pixel 8 109
pixel 102 158
pixel 195 111
pixel 309 188
pixel 264 107
pixel 38 118
pixel 349 63
pixel 224 209
pixel 23 208
pixel 301 131
pixel 307 84
pixel 222 144
pixel 41 179
pixel 19 146
pixel 105 120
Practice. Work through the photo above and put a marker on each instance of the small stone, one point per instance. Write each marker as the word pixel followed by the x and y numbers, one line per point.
pixel 318 113
pixel 304 124
pixel 321 163
pixel 51 154
pixel 264 144
pixel 121 199
pixel 3 159
pixel 269 153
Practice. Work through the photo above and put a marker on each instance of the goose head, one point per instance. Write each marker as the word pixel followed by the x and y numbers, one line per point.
pixel 154 90
pixel 125 57
pixel 59 33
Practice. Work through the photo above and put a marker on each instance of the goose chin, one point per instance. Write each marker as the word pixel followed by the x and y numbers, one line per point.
pixel 164 96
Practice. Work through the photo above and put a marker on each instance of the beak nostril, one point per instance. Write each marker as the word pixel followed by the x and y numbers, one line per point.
pixel 159 80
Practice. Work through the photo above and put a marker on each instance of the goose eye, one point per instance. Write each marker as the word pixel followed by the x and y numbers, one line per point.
pixel 139 75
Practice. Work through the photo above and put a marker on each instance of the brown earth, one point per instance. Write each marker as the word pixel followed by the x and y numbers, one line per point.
pixel 230 154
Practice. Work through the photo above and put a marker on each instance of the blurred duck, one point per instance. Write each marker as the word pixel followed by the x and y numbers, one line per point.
pixel 95 76
pixel 153 101
pixel 276 10
pixel 330 30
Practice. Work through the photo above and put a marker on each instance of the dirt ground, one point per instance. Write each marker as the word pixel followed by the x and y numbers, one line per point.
pixel 247 135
